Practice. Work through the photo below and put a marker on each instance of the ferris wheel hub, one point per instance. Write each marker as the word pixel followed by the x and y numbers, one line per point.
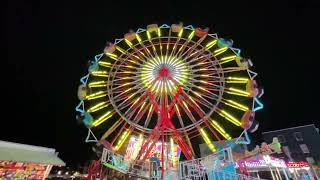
pixel 163 72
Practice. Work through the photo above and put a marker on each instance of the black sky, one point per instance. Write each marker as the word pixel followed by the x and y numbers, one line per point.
pixel 50 42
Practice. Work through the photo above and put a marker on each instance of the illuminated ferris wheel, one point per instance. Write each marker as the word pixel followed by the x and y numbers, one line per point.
pixel 169 82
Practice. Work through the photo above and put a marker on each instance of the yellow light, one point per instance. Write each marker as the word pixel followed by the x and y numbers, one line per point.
pixel 220 129
pixel 100 73
pixel 104 64
pixel 186 106
pixel 122 139
pixel 129 97
pixel 237 92
pixel 220 51
pixel 98 107
pixel 128 66
pixel 180 32
pixel 211 44
pixel 128 42
pixel 98 84
pixel 204 82
pixel 148 35
pixel 227 59
pixel 159 32
pixel 121 50
pixel 127 90
pixel 207 140
pixel 204 75
pixel 177 109
pixel 236 80
pixel 191 35
pixel 144 103
pixel 138 37
pixel 96 95
pixel 236 105
pixel 172 146
pixel 112 56
pixel 136 101
pixel 197 94
pixel 103 118
pixel 230 118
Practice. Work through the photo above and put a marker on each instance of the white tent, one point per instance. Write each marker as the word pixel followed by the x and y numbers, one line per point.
pixel 22 153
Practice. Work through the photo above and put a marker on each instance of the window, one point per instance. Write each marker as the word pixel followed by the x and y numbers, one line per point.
pixel 298 136
pixel 281 139
pixel 310 160
pixel 304 148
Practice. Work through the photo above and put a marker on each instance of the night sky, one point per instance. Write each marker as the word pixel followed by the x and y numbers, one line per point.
pixel 50 42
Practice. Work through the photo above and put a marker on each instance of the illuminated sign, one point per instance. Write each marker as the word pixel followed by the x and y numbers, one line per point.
pixel 297 164
pixel 263 162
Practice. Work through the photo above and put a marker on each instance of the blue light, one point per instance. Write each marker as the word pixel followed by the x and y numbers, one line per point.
pixel 259 103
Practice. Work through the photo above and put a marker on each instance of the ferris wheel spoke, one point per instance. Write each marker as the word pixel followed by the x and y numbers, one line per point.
pixel 233 69
pixel 122 85
pixel 141 112
pixel 193 104
pixel 198 95
pixel 133 109
pixel 182 48
pixel 201 63
pixel 187 111
pixel 208 86
pixel 190 50
pixel 168 43
pixel 172 54
pixel 154 49
pixel 203 58
pixel 149 115
pixel 213 95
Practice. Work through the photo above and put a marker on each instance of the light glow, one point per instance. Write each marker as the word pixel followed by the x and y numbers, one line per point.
pixel 122 139
pixel 98 107
pixel 230 118
pixel 207 140
pixel 96 95
pixel 103 118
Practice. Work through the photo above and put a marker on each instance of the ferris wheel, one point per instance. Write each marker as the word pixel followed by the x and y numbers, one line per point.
pixel 176 82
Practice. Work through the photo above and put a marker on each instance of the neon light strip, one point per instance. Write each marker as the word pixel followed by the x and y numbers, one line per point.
pixel 103 118
pixel 207 140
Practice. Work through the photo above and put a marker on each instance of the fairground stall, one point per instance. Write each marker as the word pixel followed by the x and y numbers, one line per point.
pixel 264 166
pixel 299 169
pixel 20 161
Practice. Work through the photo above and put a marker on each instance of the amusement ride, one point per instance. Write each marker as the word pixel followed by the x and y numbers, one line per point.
pixel 158 91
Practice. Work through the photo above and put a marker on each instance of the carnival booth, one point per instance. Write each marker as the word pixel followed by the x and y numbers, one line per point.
pixel 299 169
pixel 263 166
pixel 20 161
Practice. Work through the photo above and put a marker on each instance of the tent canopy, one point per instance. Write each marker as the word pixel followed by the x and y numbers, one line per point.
pixel 30 154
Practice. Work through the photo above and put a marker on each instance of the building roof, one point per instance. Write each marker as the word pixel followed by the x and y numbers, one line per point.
pixel 289 128
pixel 10 151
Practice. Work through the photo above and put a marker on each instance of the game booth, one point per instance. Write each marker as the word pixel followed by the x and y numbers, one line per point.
pixel 20 161
pixel 263 166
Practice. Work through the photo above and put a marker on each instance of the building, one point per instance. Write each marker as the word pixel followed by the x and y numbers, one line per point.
pixel 300 143
pixel 21 161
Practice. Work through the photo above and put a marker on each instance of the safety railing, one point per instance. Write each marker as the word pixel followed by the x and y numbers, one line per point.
pixel 139 168
pixel 210 167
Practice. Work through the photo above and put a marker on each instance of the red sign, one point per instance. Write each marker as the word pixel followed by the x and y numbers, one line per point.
pixel 297 164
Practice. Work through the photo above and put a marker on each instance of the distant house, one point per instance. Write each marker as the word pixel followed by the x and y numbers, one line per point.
pixel 301 143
